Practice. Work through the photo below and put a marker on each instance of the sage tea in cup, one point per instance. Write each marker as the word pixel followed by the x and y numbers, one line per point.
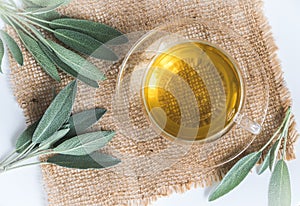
pixel 192 91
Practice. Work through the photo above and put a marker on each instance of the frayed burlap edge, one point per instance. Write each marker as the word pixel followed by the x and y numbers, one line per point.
pixel 285 95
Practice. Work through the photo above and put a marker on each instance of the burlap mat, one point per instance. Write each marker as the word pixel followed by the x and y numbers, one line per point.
pixel 33 90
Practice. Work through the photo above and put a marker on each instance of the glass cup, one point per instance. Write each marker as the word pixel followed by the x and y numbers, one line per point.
pixel 191 82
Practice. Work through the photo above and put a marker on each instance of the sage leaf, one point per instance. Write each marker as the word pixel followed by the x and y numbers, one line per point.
pixel 13 47
pixel 4 19
pixel 57 113
pixel 1 54
pixel 29 4
pixel 44 3
pixel 81 121
pixel 76 62
pixel 236 175
pixel 52 5
pixel 274 153
pixel 280 186
pixel 85 44
pixel 64 67
pixel 34 48
pixel 265 163
pixel 101 32
pixel 25 138
pixel 85 143
pixel 48 143
pixel 48 16
pixel 93 161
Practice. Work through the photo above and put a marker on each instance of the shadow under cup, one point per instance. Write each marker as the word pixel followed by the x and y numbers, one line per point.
pixel 186 86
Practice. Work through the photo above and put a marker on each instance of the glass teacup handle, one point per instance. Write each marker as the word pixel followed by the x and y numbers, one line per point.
pixel 244 122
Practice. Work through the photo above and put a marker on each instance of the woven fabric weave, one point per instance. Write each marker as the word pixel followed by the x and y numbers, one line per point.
pixel 33 90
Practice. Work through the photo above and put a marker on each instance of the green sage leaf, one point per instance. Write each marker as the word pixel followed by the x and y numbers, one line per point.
pixel 236 175
pixel 280 186
pixel 101 32
pixel 57 113
pixel 4 19
pixel 81 121
pixel 93 161
pixel 29 4
pixel 44 3
pixel 36 51
pixel 1 54
pixel 265 163
pixel 85 143
pixel 85 44
pixel 43 10
pixel 45 7
pixel 25 138
pixel 13 47
pixel 48 143
pixel 64 67
pixel 48 16
pixel 76 62
pixel 274 153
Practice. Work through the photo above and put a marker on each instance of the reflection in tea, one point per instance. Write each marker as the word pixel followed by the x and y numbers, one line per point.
pixel 192 91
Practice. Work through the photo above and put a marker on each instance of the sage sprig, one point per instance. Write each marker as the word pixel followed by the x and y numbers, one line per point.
pixel 60 133
pixel 83 36
pixel 279 187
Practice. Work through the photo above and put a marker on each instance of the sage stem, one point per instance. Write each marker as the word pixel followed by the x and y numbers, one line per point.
pixel 8 157
pixel 25 165
pixel 285 135
pixel 287 116
pixel 18 157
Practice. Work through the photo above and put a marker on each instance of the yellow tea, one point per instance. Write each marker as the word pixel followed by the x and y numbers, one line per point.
pixel 192 91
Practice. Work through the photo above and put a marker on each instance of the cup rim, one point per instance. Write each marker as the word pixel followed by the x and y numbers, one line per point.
pixel 220 133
